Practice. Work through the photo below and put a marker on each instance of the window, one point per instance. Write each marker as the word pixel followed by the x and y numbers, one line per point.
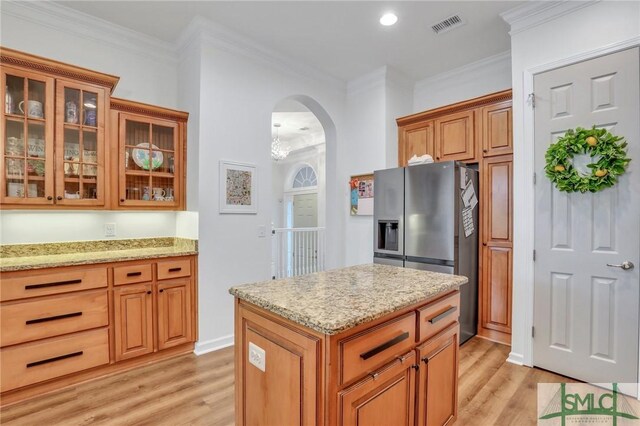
pixel 305 177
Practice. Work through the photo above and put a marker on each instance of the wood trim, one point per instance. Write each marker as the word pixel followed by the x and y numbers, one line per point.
pixel 504 95
pixel 132 107
pixel 50 66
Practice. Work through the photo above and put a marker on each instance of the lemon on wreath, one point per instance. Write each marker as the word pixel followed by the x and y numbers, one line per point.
pixel 559 168
pixel 601 172
pixel 592 141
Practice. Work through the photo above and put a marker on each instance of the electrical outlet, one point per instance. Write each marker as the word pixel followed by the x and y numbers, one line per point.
pixel 257 356
pixel 109 229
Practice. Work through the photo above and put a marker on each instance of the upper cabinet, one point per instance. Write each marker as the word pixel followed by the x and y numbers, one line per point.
pixel 456 137
pixel 151 149
pixel 418 140
pixel 66 144
pixel 497 128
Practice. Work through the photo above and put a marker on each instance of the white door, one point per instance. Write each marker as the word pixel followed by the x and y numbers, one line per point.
pixel 586 313
pixel 305 210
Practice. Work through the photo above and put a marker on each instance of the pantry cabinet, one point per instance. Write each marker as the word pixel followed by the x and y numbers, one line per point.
pixel 478 131
pixel 52 133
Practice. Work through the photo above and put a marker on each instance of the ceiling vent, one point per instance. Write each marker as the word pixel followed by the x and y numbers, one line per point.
pixel 448 24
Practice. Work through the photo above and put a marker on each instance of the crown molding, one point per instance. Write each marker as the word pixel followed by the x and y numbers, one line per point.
pixel 534 13
pixel 216 35
pixel 62 18
pixel 468 69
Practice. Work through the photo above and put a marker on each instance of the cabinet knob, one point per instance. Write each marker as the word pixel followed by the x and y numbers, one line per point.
pixel 485 150
pixel 122 200
pixel 437 158
pixel 49 198
pixel 416 367
pixel 484 244
pixel 161 290
pixel 59 198
pixel 149 292
pixel 425 360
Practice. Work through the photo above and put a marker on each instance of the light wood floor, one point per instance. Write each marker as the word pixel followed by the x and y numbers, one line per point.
pixel 199 390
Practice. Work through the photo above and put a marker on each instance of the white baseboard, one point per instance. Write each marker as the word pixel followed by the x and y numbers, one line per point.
pixel 213 345
pixel 515 358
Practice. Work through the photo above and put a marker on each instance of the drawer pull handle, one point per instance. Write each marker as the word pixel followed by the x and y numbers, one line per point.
pixel 134 274
pixel 375 351
pixel 444 314
pixel 57 317
pixel 54 359
pixel 34 286
pixel 175 269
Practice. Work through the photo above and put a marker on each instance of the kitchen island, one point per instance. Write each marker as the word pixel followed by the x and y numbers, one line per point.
pixel 363 345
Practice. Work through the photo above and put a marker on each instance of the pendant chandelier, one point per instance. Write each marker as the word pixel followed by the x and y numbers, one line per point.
pixel 277 151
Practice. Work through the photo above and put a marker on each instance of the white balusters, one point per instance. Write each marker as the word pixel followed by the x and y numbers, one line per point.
pixel 297 251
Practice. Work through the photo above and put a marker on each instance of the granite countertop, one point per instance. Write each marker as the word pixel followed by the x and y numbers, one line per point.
pixel 19 257
pixel 334 301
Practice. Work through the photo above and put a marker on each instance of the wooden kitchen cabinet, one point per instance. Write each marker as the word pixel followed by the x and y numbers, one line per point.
pixel 497 129
pixel 418 140
pixel 174 313
pixel 385 397
pixel 456 137
pixel 133 320
pixel 479 130
pixel 151 154
pixel 52 133
pixel 438 379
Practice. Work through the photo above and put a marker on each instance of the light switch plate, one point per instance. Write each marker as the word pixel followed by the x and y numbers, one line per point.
pixel 262 231
pixel 109 229
pixel 257 356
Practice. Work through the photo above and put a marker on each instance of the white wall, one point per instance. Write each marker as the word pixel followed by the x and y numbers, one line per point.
pixel 488 75
pixel 365 152
pixel 536 41
pixel 398 103
pixel 238 91
pixel 148 73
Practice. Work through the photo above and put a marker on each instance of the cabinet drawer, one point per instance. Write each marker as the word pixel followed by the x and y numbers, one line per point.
pixel 366 351
pixel 437 316
pixel 27 321
pixel 174 269
pixel 52 283
pixel 131 274
pixel 35 362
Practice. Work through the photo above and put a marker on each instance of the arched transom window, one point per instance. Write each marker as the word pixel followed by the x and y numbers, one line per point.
pixel 305 177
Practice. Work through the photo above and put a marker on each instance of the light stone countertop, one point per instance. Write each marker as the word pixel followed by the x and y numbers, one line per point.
pixel 334 301
pixel 20 257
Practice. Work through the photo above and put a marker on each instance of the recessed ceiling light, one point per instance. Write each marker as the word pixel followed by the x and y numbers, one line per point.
pixel 388 19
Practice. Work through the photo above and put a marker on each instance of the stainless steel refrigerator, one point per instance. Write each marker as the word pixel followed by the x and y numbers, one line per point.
pixel 426 217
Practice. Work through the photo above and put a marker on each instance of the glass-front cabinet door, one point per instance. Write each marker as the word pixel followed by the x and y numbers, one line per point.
pixel 149 162
pixel 80 148
pixel 27 133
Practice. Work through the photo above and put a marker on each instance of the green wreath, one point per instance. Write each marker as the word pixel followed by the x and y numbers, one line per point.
pixel 595 142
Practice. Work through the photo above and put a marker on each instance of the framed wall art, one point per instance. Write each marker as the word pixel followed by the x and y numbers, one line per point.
pixel 238 188
pixel 361 194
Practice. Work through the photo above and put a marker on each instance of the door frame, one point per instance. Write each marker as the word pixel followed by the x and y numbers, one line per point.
pixel 524 232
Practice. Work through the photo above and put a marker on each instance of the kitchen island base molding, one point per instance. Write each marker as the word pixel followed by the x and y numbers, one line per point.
pixel 387 370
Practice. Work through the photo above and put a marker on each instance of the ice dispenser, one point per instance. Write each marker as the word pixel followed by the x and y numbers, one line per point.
pixel 388 235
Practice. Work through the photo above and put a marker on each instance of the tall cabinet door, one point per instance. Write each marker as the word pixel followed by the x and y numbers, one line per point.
pixel 80 147
pixel 133 306
pixel 386 397
pixel 437 394
pixel 27 135
pixel 417 139
pixel 174 313
pixel 456 137
pixel 497 246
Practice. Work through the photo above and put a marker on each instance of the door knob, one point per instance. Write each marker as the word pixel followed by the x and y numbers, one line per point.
pixel 626 265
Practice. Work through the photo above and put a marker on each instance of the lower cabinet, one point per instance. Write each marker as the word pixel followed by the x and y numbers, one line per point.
pixel 133 306
pixel 174 313
pixel 438 379
pixel 385 397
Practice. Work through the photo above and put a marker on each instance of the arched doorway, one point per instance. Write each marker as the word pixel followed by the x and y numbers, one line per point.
pixel 298 190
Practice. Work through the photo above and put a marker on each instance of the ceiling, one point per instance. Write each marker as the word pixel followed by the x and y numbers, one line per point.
pixel 340 38
pixel 298 130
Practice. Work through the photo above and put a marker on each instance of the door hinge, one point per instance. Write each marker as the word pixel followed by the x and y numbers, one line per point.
pixel 534 178
pixel 532 99
pixel 533 332
pixel 534 255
